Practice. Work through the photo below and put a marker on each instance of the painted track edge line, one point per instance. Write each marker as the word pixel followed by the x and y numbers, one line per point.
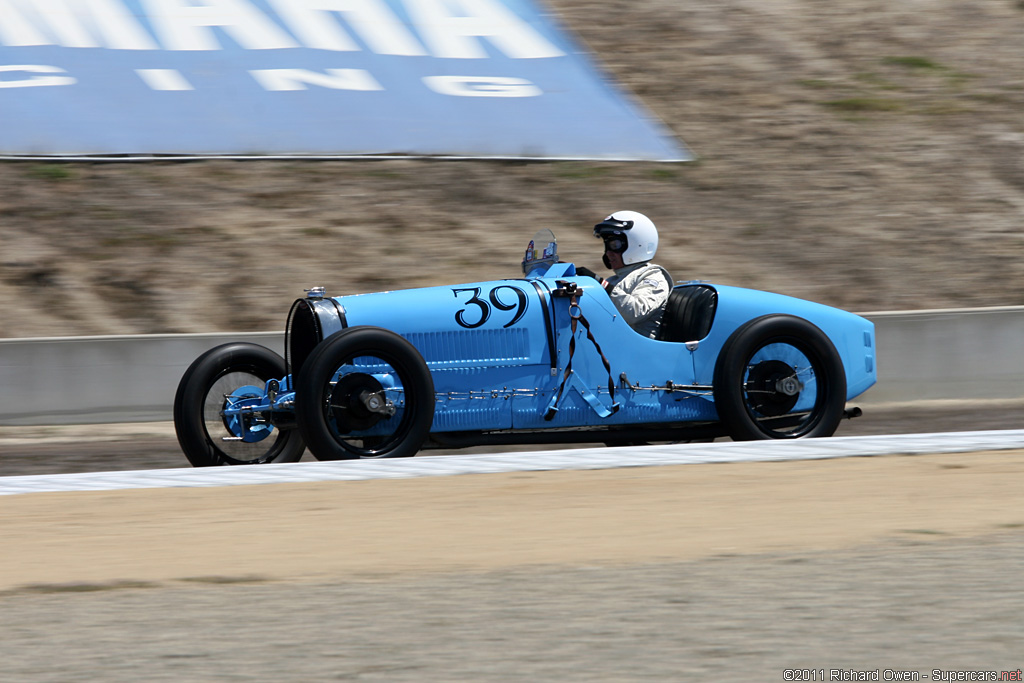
pixel 492 463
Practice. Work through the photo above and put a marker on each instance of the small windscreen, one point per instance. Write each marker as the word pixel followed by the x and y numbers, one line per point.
pixel 542 251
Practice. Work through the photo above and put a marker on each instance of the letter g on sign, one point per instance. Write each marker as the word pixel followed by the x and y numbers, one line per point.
pixel 482 86
pixel 39 75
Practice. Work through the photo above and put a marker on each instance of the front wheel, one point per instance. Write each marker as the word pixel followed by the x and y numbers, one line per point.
pixel 232 375
pixel 779 377
pixel 364 392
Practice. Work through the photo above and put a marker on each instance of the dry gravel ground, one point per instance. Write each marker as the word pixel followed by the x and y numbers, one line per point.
pixel 920 604
pixel 731 573
pixel 867 154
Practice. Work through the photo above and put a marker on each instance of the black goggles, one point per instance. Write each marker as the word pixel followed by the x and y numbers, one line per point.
pixel 612 232
pixel 615 243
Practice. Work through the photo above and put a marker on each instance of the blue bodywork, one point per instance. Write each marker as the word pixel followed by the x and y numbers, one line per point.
pixel 497 351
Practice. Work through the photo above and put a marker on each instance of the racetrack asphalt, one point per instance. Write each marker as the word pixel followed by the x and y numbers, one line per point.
pixel 140 446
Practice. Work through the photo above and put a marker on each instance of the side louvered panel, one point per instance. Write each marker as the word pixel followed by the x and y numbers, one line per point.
pixel 641 408
pixel 456 408
pixel 490 414
pixel 473 348
pixel 671 410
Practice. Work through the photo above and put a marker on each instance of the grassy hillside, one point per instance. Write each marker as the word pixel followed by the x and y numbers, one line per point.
pixel 867 154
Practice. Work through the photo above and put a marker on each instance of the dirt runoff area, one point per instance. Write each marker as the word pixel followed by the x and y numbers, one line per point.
pixel 380 528
pixel 736 571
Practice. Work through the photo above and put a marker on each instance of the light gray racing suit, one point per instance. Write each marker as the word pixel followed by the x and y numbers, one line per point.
pixel 640 292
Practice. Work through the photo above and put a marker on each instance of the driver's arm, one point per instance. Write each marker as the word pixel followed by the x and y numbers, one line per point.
pixel 587 272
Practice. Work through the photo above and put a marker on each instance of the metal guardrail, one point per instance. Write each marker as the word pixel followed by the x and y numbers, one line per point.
pixel 922 355
pixel 90 380
pixel 951 354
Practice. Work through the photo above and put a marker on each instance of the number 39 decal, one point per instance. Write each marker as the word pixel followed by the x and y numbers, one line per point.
pixel 477 311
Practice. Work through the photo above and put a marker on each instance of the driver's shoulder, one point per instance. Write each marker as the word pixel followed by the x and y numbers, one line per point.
pixel 652 275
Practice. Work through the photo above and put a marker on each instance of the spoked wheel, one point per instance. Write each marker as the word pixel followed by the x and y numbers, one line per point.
pixel 231 376
pixel 364 392
pixel 779 377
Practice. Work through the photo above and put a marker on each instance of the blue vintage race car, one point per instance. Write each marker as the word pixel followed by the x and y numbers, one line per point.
pixel 546 358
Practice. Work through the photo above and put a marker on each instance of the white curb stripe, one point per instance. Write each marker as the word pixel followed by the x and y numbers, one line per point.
pixel 577 459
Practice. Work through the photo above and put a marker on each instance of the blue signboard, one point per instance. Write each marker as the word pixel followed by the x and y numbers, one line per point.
pixel 476 78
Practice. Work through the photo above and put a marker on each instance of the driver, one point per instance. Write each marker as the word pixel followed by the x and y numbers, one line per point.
pixel 639 288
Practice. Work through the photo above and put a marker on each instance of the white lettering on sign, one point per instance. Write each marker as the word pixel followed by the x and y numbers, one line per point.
pixel 312 23
pixel 164 79
pixel 448 28
pixel 278 80
pixel 35 80
pixel 87 23
pixel 482 86
pixel 183 25
pixel 297 79
pixel 454 36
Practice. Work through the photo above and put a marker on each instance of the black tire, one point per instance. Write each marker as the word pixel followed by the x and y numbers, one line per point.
pixel 334 417
pixel 198 419
pixel 779 377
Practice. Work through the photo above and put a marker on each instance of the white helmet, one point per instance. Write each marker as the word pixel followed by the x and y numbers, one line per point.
pixel 629 233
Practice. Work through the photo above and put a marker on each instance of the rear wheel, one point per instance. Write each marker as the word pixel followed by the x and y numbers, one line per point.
pixel 779 377
pixel 232 375
pixel 364 392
